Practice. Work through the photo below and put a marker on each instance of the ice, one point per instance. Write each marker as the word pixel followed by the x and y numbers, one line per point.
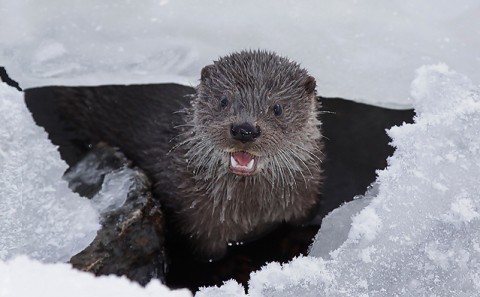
pixel 39 214
pixel 419 234
pixel 22 277
pixel 108 183
pixel 115 189
pixel 362 50
pixel 336 225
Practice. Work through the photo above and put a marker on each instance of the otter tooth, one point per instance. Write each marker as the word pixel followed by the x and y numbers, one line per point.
pixel 250 164
pixel 233 162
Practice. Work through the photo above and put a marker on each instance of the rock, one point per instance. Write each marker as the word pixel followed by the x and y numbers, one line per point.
pixel 131 240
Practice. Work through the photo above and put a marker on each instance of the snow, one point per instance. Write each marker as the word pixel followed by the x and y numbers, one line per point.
pixel 40 217
pixel 39 214
pixel 23 277
pixel 362 50
pixel 416 232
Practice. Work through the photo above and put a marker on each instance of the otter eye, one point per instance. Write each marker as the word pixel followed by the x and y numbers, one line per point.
pixel 277 109
pixel 224 102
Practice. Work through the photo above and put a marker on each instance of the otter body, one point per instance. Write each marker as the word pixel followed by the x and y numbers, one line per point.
pixel 239 156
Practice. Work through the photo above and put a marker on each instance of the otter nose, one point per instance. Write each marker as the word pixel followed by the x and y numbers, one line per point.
pixel 244 132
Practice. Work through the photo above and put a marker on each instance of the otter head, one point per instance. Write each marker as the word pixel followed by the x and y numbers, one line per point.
pixel 255 113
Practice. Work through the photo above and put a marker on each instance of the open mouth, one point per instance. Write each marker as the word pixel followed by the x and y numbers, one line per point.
pixel 242 163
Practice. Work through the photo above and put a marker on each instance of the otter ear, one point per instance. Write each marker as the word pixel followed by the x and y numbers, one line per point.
pixel 206 72
pixel 310 85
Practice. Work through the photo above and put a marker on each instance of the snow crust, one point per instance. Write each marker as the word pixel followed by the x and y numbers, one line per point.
pixel 22 277
pixel 39 215
pixel 419 235
pixel 361 50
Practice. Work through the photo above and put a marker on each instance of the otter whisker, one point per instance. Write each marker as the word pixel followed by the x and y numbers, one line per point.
pixel 287 166
pixel 326 111
pixel 278 167
pixel 311 153
pixel 186 140
pixel 310 157
pixel 297 157
pixel 199 154
pixel 183 111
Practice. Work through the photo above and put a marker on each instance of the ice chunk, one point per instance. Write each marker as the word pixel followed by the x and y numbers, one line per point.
pixel 104 176
pixel 23 277
pixel 39 214
pixel 336 226
pixel 419 235
pixel 115 189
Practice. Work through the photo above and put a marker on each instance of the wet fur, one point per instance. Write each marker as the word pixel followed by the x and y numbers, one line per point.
pixel 212 205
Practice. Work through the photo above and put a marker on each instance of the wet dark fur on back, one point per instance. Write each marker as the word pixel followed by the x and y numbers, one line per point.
pixel 244 155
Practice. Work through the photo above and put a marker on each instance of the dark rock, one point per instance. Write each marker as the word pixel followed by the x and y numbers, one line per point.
pixel 131 240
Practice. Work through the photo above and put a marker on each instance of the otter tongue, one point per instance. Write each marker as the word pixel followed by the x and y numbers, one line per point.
pixel 242 158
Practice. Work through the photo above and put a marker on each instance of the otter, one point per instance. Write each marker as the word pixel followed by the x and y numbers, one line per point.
pixel 236 158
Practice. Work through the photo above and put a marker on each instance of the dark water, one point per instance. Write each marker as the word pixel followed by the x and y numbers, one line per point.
pixel 356 146
pixel 6 79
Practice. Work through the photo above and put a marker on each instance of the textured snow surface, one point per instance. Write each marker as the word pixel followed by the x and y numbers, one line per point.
pixel 39 214
pixel 419 235
pixel 23 277
pixel 362 50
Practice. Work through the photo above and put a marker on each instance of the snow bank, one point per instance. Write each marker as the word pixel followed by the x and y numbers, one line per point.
pixel 363 50
pixel 42 218
pixel 23 277
pixel 39 214
pixel 420 235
